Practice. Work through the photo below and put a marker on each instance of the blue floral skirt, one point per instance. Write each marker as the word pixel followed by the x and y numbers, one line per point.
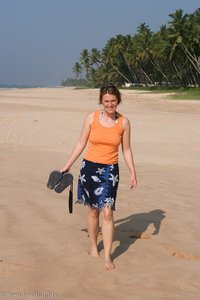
pixel 97 184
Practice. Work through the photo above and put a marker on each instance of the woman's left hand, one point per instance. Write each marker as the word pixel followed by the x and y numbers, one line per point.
pixel 133 182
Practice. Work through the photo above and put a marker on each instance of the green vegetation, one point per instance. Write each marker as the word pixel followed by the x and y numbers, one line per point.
pixel 187 94
pixel 167 58
pixel 73 82
pixel 176 93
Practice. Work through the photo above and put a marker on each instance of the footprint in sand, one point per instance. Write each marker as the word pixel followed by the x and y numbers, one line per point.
pixel 181 254
pixel 187 256
pixel 7 268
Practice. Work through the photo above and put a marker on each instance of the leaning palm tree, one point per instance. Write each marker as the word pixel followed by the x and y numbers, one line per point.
pixel 159 56
pixel 113 59
pixel 142 52
pixel 121 46
pixel 184 41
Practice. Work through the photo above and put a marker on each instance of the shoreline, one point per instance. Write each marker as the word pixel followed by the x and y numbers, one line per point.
pixel 162 94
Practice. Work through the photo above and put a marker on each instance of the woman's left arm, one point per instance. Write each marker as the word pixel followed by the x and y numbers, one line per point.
pixel 127 152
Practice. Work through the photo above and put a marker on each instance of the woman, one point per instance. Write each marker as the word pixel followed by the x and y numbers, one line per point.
pixel 105 130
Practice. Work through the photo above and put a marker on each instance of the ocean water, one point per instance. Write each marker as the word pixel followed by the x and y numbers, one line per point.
pixel 15 86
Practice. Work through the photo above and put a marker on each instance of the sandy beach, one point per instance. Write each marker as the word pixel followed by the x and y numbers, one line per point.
pixel 156 249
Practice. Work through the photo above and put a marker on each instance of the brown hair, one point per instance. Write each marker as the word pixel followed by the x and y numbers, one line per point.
pixel 109 89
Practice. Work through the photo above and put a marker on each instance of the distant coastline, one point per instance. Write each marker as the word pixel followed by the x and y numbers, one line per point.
pixel 17 86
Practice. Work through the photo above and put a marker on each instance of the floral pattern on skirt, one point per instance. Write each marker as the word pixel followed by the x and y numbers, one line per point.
pixel 98 184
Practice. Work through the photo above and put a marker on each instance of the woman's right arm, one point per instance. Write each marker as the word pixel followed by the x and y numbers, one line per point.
pixel 81 143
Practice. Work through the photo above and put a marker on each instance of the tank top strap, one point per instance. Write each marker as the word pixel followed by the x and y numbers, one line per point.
pixel 120 117
pixel 96 116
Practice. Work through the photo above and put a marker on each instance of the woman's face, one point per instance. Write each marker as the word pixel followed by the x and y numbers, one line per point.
pixel 109 103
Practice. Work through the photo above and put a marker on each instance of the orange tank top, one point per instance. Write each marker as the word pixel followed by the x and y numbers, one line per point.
pixel 104 141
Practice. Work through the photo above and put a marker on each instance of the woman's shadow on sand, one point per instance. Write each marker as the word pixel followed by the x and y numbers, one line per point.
pixel 133 227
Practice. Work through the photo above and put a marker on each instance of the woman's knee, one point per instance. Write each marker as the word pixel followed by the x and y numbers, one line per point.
pixel 93 213
pixel 107 214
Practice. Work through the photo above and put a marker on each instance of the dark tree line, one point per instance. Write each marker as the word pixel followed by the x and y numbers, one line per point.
pixel 170 56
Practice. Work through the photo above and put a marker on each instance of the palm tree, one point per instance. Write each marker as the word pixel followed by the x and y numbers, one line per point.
pixel 142 50
pixel 95 57
pixel 85 61
pixel 77 69
pixel 113 56
pixel 86 65
pixel 183 43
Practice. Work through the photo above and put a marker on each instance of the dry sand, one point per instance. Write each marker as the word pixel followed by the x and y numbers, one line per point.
pixel 156 249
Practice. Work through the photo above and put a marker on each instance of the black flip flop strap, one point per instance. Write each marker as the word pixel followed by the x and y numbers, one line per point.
pixel 71 198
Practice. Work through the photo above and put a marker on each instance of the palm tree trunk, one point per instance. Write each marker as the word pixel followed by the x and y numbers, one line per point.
pixel 177 71
pixel 128 65
pixel 194 78
pixel 121 73
pixel 145 74
pixel 192 59
pixel 158 68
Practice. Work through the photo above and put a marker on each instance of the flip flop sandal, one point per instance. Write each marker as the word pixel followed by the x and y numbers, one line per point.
pixel 66 180
pixel 54 179
pixel 70 204
pixel 59 182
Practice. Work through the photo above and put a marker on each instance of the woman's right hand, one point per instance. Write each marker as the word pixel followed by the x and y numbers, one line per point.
pixel 65 169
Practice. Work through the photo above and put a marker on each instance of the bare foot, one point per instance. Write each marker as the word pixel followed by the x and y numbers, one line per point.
pixel 93 253
pixel 109 265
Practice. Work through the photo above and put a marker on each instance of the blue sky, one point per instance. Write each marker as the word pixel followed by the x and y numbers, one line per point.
pixel 40 40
